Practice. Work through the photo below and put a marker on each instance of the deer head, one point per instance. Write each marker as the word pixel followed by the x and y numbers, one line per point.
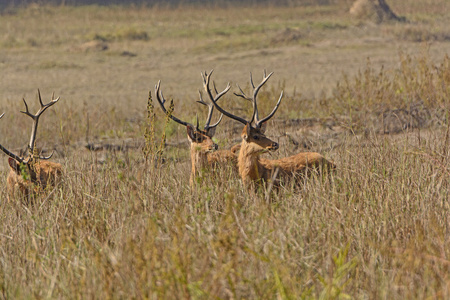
pixel 199 139
pixel 253 137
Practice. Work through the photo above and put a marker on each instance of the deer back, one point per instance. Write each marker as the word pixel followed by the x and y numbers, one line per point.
pixel 31 177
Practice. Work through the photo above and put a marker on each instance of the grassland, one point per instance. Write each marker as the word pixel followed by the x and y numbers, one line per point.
pixel 373 98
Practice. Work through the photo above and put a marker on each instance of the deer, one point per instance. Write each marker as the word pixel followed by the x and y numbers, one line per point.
pixel 204 153
pixel 32 174
pixel 256 170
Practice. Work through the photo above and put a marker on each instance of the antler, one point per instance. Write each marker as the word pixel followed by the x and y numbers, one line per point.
pixel 33 130
pixel 35 118
pixel 229 115
pixel 255 116
pixel 161 101
pixel 206 79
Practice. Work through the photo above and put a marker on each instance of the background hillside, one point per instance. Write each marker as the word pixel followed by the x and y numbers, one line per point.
pixel 13 3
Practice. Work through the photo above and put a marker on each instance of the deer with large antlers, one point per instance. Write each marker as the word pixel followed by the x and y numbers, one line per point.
pixel 204 153
pixel 31 174
pixel 253 168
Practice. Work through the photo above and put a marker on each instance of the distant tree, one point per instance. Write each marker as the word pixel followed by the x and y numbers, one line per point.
pixel 377 10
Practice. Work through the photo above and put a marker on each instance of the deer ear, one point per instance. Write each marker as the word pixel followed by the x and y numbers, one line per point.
pixel 14 165
pixel 263 127
pixel 190 132
pixel 211 132
pixel 236 148
pixel 246 132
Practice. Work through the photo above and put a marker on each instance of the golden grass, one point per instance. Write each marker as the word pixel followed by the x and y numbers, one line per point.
pixel 123 227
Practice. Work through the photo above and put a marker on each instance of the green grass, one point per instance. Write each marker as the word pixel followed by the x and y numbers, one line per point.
pixel 122 226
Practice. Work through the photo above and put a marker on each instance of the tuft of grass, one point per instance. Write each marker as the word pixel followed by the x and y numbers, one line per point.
pixel 417 81
pixel 152 149
pixel 121 34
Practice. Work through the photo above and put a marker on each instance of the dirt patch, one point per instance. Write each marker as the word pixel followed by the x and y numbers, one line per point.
pixel 91 46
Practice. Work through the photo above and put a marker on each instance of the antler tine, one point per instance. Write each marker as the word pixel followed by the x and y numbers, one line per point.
pixel 9 153
pixel 196 119
pixel 217 123
pixel 242 94
pixel 47 157
pixel 161 101
pixel 229 115
pixel 27 112
pixel 255 116
pixel 44 106
pixel 214 101
pixel 214 86
pixel 208 90
pixel 210 111
pixel 265 78
pixel 39 97
pixel 258 123
pixel 251 80
pixel 36 118
pixel 201 101
pixel 206 79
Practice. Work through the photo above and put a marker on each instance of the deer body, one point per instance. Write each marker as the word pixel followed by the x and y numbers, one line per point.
pixel 34 173
pixel 223 157
pixel 252 168
pixel 203 150
pixel 35 178
pixel 210 161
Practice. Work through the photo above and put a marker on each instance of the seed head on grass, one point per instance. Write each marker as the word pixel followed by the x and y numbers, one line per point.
pixel 153 150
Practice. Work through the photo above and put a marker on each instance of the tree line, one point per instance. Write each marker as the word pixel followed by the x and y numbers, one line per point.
pixel 18 3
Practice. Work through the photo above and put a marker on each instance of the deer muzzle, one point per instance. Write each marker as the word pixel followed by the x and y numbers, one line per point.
pixel 274 146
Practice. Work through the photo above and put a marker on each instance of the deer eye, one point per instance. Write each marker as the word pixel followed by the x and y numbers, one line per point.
pixel 256 137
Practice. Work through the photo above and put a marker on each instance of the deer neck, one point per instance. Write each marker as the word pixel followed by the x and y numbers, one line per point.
pixel 250 168
pixel 199 160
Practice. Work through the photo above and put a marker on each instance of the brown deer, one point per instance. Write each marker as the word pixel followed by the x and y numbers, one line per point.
pixel 203 149
pixel 253 168
pixel 31 175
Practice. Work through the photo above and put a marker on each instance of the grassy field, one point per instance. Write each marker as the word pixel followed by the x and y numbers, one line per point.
pixel 374 98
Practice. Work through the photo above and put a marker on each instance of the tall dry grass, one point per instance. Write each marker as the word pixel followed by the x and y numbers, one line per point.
pixel 379 228
pixel 118 227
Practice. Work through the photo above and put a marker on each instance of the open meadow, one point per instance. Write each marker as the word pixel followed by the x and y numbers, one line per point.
pixel 124 222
